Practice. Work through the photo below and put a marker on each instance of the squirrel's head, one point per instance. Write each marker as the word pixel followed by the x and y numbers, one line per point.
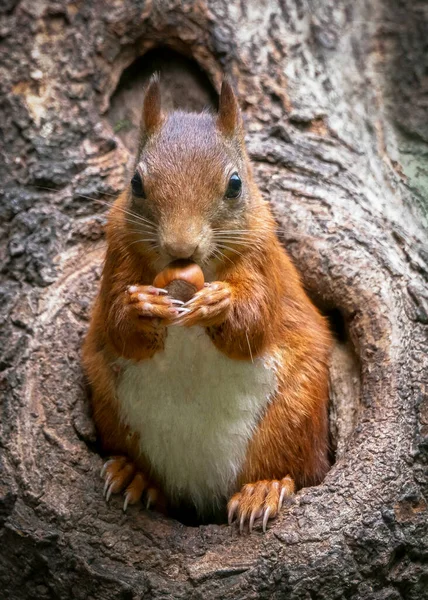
pixel 190 190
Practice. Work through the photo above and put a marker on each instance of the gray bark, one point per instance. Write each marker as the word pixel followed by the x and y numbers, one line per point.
pixel 334 95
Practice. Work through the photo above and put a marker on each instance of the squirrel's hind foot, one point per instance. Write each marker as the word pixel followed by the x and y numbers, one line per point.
pixel 257 500
pixel 121 475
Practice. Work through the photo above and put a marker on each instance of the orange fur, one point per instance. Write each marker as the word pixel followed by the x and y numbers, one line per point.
pixel 263 310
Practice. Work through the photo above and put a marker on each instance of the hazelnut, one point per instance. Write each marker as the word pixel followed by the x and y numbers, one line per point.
pixel 182 279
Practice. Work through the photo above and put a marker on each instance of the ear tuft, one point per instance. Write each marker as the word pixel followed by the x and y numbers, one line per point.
pixel 152 117
pixel 229 115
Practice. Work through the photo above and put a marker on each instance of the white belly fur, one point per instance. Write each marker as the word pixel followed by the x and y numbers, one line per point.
pixel 195 410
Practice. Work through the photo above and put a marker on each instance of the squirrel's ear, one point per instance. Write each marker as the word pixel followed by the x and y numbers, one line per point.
pixel 229 119
pixel 152 116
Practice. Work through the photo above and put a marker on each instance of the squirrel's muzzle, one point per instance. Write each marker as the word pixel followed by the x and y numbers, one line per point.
pixel 180 248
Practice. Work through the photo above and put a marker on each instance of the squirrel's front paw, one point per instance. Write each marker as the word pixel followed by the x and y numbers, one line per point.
pixel 259 500
pixel 210 306
pixel 147 301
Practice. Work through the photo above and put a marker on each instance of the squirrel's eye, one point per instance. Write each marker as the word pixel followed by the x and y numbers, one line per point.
pixel 234 186
pixel 137 186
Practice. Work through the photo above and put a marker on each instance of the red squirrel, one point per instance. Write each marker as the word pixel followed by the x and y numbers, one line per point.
pixel 219 402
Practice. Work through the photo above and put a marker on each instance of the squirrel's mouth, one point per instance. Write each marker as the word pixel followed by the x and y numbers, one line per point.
pixel 205 256
pixel 165 259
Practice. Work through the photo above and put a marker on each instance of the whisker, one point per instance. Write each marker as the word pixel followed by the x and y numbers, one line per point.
pixel 157 260
pixel 42 187
pixel 235 231
pixel 234 241
pixel 140 241
pixel 142 227
pixel 112 195
pixel 223 255
pixel 105 203
pixel 234 234
pixel 145 240
pixel 139 218
pixel 230 249
pixel 249 347
pixel 241 243
pixel 140 232
pixel 142 223
pixel 216 255
pixel 236 238
pixel 136 216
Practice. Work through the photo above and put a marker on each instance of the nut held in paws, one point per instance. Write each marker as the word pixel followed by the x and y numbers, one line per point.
pixel 182 279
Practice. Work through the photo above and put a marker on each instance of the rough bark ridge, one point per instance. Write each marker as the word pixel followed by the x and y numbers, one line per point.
pixel 334 98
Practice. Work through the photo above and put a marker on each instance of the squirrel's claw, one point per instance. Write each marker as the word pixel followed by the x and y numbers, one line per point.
pixel 207 307
pixel 266 515
pixel 150 289
pixel 284 490
pixel 147 301
pixel 106 485
pixel 232 507
pixel 126 501
pixel 109 492
pixel 255 514
pixel 241 522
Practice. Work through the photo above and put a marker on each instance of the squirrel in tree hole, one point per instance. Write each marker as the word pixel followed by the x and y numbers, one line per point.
pixel 219 401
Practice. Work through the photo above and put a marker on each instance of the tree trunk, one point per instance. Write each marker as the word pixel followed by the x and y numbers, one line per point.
pixel 334 95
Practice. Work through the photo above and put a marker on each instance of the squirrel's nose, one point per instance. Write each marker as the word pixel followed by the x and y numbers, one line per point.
pixel 180 249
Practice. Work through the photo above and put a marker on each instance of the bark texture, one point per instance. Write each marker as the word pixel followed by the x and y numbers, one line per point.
pixel 334 95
